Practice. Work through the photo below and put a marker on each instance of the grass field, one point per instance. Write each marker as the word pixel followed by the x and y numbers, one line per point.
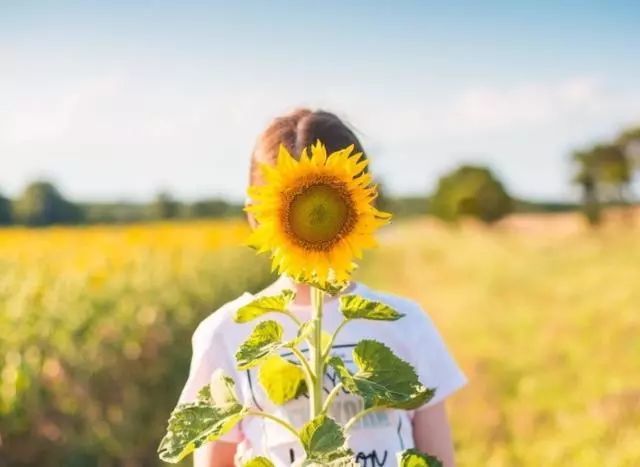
pixel 545 321
pixel 543 315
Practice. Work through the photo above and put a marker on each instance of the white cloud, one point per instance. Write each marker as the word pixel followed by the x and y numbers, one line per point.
pixel 480 109
pixel 38 115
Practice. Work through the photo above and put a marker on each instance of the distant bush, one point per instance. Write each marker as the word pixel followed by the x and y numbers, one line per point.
pixel 42 204
pixel 525 206
pixel 400 206
pixel 213 208
pixel 113 213
pixel 164 207
pixel 6 216
pixel 470 191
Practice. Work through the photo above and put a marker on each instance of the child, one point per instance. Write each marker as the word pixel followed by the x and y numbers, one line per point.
pixel 380 435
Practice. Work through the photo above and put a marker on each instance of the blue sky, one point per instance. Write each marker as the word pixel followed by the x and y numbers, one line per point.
pixel 118 99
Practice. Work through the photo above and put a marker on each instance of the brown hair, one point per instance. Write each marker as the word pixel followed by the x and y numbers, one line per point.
pixel 296 131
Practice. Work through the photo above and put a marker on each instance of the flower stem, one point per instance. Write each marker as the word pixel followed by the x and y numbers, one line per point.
pixel 334 392
pixel 317 299
pixel 334 335
pixel 308 372
pixel 358 416
pixel 281 422
pixel 292 316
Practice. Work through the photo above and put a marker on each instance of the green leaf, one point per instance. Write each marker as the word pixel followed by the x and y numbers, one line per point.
pixel 195 423
pixel 414 458
pixel 265 338
pixel 323 440
pixel 354 306
pixel 204 395
pixel 382 379
pixel 343 457
pixel 281 380
pixel 259 462
pixel 222 389
pixel 275 303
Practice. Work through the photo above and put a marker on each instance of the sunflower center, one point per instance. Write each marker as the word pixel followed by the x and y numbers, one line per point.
pixel 319 213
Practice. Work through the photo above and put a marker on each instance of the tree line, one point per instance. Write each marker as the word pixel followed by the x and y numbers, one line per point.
pixel 41 204
pixel 468 191
pixel 604 171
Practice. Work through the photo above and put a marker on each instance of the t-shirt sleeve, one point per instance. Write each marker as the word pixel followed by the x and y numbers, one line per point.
pixel 435 365
pixel 208 354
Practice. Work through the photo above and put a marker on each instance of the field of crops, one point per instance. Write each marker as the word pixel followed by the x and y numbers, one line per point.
pixel 545 320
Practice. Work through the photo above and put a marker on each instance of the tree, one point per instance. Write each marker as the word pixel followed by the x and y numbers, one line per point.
pixel 164 207
pixel 629 143
pixel 613 171
pixel 6 216
pixel 42 204
pixel 213 208
pixel 470 191
pixel 604 172
pixel 586 177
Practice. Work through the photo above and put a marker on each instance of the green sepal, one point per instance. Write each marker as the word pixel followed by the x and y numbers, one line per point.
pixel 331 287
pixel 260 306
pixel 354 307
pixel 382 379
pixel 265 338
pixel 414 458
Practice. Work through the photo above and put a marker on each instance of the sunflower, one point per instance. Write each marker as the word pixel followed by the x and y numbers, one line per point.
pixel 315 215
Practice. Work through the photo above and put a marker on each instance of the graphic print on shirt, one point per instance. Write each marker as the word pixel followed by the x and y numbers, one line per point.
pixel 344 407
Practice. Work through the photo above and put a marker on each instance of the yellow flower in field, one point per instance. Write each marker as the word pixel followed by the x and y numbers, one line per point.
pixel 315 215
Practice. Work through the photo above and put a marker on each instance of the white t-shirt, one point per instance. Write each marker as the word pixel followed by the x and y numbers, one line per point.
pixel 377 437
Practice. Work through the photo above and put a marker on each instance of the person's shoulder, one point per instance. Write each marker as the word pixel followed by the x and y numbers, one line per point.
pixel 220 319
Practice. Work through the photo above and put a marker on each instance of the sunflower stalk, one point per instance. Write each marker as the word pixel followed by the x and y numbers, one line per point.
pixel 315 350
pixel 331 198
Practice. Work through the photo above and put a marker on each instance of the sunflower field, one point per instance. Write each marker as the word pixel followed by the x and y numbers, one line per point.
pixel 95 328
pixel 95 333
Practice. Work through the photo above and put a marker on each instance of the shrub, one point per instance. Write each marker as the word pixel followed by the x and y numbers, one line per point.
pixel 470 191
pixel 42 204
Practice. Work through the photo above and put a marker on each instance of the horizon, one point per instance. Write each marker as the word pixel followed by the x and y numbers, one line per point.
pixel 141 98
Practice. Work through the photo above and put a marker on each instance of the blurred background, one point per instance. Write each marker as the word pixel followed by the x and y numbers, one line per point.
pixel 506 140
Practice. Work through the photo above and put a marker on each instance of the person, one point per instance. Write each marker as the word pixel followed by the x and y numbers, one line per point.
pixel 377 437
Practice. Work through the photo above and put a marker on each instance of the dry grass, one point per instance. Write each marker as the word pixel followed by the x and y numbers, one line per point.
pixel 544 316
